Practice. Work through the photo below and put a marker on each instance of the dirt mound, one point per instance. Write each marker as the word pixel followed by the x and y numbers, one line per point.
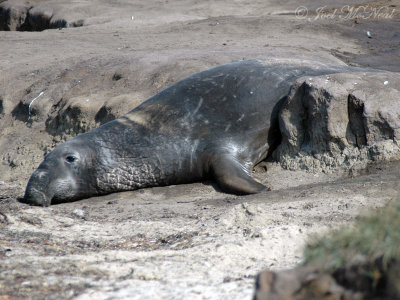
pixel 24 15
pixel 340 121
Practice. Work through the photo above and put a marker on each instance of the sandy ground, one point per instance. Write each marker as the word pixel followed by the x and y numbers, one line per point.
pixel 177 242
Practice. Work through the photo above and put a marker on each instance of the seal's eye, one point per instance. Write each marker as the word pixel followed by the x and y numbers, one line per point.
pixel 71 158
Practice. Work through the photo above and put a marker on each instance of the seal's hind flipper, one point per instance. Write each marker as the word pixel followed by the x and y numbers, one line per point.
pixel 233 177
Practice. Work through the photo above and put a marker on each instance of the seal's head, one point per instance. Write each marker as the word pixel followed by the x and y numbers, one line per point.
pixel 65 174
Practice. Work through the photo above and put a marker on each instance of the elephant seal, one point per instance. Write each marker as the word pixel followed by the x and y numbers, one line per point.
pixel 215 124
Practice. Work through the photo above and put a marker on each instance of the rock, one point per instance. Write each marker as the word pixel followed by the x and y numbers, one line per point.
pixel 80 213
pixel 311 282
pixel 340 120
pixel 300 283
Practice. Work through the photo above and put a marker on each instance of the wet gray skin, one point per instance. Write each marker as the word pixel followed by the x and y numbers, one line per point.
pixel 215 124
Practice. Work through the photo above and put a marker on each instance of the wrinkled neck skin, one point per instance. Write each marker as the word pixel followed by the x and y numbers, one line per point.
pixel 133 157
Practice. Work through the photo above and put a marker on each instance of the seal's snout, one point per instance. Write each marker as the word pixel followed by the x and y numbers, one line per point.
pixel 36 192
pixel 36 197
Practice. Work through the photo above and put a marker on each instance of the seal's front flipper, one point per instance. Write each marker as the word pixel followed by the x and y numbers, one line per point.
pixel 233 177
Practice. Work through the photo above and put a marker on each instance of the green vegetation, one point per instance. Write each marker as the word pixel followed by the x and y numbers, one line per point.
pixel 364 257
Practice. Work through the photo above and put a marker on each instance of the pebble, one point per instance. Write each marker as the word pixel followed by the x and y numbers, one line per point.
pixel 78 212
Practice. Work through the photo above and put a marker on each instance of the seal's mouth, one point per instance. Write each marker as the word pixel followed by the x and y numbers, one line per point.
pixel 34 196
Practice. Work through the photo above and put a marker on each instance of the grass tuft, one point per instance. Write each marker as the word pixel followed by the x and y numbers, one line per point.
pixel 370 249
